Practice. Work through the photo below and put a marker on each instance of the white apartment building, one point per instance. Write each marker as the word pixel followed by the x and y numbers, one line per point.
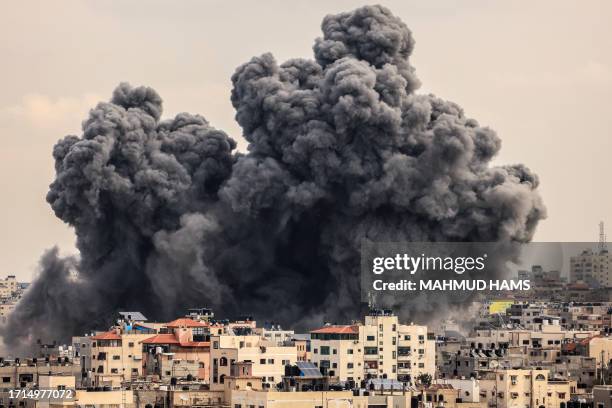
pixel 381 347
pixel 338 351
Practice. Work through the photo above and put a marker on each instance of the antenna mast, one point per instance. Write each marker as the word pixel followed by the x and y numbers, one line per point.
pixel 602 237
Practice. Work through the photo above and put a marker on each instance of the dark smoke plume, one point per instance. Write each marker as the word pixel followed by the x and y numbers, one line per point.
pixel 341 149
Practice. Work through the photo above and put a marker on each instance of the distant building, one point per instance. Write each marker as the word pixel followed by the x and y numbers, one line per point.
pixel 10 293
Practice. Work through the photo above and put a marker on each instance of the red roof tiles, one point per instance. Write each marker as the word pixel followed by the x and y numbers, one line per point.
pixel 111 335
pixel 161 339
pixel 337 330
pixel 186 322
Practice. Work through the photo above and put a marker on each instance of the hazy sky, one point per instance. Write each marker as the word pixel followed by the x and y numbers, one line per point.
pixel 540 73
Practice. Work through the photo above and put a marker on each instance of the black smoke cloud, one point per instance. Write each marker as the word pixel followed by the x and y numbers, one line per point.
pixel 341 149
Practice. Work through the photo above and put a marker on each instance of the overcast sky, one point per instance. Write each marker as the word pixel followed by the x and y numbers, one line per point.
pixel 540 73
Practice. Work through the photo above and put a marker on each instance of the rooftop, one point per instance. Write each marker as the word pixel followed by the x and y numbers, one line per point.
pixel 161 339
pixel 186 322
pixel 110 335
pixel 345 329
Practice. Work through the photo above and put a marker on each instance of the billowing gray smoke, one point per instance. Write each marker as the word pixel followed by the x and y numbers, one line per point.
pixel 341 148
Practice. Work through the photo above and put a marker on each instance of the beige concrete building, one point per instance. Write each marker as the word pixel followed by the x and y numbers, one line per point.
pixel 302 345
pixel 546 336
pixel 520 388
pixel 268 358
pixel 8 286
pixel 181 351
pixel 112 357
pixel 27 373
pixel 338 351
pixel 380 347
pixel 600 349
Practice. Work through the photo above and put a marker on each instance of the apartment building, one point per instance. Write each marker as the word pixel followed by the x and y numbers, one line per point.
pixel 381 347
pixel 302 345
pixel 112 357
pixel 592 267
pixel 27 373
pixel 338 351
pixel 544 335
pixel 10 293
pixel 268 358
pixel 507 388
pixel 180 350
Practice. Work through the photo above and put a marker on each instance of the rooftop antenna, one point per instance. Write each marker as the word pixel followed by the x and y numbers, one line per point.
pixel 371 300
pixel 602 237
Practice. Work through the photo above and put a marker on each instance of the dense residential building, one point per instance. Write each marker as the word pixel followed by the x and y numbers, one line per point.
pixel 339 351
pixel 180 349
pixel 268 358
pixel 380 347
pixel 506 388
pixel 592 267
pixel 10 293
pixel 520 353
pixel 113 357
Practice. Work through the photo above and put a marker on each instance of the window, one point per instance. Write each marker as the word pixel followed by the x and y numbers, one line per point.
pixel 116 357
pixel 6 379
pixel 370 338
pixel 131 344
pixel 334 351
pixel 114 370
pixel 394 327
pixel 270 361
pixel 215 344
pixel 380 327
pixel 135 370
pixel 223 361
pixel 349 351
pixel 262 361
pixel 349 365
pixel 325 350
pixel 407 337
